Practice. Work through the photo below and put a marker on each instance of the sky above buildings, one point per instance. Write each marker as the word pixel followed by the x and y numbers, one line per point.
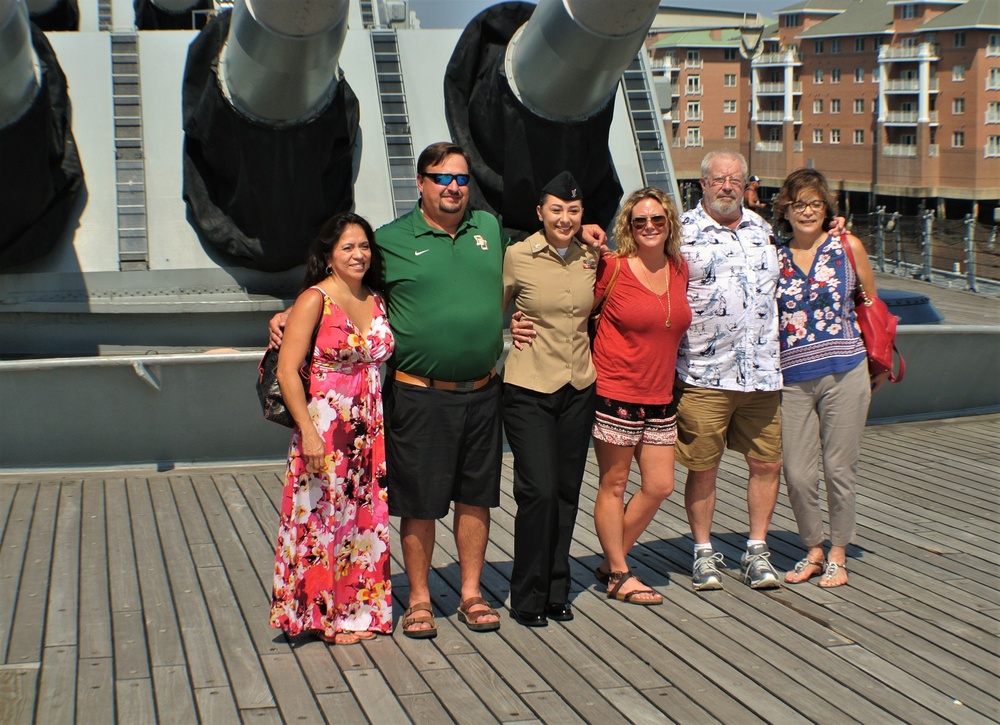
pixel 457 13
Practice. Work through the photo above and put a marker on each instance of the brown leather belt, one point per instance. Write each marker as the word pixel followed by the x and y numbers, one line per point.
pixel 464 386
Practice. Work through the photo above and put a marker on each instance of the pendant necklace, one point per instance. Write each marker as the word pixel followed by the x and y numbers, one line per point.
pixel 666 310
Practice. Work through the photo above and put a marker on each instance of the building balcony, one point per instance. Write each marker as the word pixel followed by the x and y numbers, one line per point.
pixel 664 64
pixel 789 56
pixel 933 151
pixel 694 64
pixel 776 89
pixel 694 142
pixel 908 118
pixel 694 116
pixel 899 150
pixel 769 146
pixel 693 90
pixel 993 117
pixel 909 85
pixel 797 146
pixel 992 51
pixel 777 117
pixel 890 53
pixel 993 84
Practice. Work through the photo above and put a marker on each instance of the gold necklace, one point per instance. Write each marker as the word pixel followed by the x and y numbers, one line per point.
pixel 666 276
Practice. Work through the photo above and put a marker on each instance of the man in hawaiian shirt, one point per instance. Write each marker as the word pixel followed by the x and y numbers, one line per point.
pixel 728 369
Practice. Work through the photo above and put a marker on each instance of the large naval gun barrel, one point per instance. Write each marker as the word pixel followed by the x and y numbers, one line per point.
pixel 529 91
pixel 41 176
pixel 270 125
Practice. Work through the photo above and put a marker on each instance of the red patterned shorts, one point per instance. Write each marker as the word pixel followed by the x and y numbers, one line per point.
pixel 628 424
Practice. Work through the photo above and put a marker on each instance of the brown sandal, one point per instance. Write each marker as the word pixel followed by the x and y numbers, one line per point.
pixel 341 638
pixel 620 577
pixel 473 620
pixel 832 570
pixel 409 620
pixel 800 567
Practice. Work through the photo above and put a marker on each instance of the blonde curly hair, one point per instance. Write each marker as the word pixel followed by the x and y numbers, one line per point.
pixel 625 245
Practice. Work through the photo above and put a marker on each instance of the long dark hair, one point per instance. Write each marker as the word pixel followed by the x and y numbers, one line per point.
pixel 324 243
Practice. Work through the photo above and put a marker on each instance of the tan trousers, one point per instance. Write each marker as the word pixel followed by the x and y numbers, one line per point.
pixel 825 416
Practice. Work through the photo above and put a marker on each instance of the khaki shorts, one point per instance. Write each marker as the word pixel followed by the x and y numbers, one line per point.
pixel 711 420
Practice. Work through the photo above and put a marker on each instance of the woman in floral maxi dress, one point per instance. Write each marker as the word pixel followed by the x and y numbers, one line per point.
pixel 331 575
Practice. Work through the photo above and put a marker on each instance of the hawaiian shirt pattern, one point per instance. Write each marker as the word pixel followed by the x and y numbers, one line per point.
pixel 732 343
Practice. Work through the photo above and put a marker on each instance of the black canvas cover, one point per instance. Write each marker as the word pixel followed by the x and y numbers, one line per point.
pixel 42 177
pixel 257 193
pixel 63 16
pixel 148 16
pixel 514 152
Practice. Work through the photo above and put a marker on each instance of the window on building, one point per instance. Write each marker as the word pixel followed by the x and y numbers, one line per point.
pixel 958 72
pixel 909 42
pixel 835 75
pixel 908 12
pixel 859 136
pixel 729 106
pixel 818 105
pixel 774 133
pixel 818 47
pixel 817 135
pixel 818 76
pixel 958 139
pixel 694 110
pixel 835 45
pixel 729 80
pixel 693 137
pixel 730 54
pixel 834 105
pixel 859 45
pixel 958 105
pixel 960 39
pixel 834 135
pixel 859 75
pixel 694 84
pixel 993 112
pixel 993 80
pixel 993 44
pixel 793 20
pixel 729 132
pixel 859 105
pixel 992 146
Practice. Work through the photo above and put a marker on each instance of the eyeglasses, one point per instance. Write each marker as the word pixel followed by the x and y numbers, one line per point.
pixel 639 222
pixel 800 206
pixel 721 180
pixel 445 179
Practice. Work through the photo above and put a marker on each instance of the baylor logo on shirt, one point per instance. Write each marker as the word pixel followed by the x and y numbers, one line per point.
pixel 480 242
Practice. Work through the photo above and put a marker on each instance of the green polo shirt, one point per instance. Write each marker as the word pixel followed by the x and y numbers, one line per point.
pixel 444 295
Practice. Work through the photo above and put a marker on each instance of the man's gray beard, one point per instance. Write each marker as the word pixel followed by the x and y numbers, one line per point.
pixel 725 207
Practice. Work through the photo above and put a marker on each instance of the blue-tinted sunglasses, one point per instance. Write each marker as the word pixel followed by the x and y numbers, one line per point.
pixel 445 179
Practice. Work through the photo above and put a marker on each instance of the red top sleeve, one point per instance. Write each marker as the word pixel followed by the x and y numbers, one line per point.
pixel 635 352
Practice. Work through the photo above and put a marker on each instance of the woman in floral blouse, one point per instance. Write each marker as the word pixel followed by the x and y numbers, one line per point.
pixel 827 388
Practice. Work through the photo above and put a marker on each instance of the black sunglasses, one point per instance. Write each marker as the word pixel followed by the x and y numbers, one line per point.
pixel 639 222
pixel 445 179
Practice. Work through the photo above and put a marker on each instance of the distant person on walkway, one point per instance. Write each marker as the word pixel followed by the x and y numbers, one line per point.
pixel 548 399
pixel 331 575
pixel 751 198
pixel 827 388
pixel 635 351
pixel 728 367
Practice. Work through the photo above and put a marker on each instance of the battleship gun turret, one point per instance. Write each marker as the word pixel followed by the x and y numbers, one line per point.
pixel 170 14
pixel 54 14
pixel 42 176
pixel 269 129
pixel 529 91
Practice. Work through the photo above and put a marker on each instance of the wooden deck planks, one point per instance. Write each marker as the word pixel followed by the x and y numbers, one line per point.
pixel 153 598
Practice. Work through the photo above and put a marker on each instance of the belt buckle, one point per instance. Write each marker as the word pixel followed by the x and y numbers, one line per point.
pixel 465 386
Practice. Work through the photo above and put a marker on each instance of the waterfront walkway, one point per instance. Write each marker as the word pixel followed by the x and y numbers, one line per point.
pixel 139 597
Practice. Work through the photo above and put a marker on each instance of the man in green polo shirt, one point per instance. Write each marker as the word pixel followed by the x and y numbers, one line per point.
pixel 442 278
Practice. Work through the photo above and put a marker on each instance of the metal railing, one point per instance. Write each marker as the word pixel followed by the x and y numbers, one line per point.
pixel 962 251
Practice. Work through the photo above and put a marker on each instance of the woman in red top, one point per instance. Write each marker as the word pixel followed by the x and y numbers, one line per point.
pixel 643 320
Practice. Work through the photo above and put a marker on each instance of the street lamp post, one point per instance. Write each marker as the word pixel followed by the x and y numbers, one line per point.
pixel 751 47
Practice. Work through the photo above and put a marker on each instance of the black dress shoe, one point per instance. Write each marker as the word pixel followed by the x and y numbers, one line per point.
pixel 559 612
pixel 528 619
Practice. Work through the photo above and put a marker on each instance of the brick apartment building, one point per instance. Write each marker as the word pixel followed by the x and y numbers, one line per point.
pixel 897 102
